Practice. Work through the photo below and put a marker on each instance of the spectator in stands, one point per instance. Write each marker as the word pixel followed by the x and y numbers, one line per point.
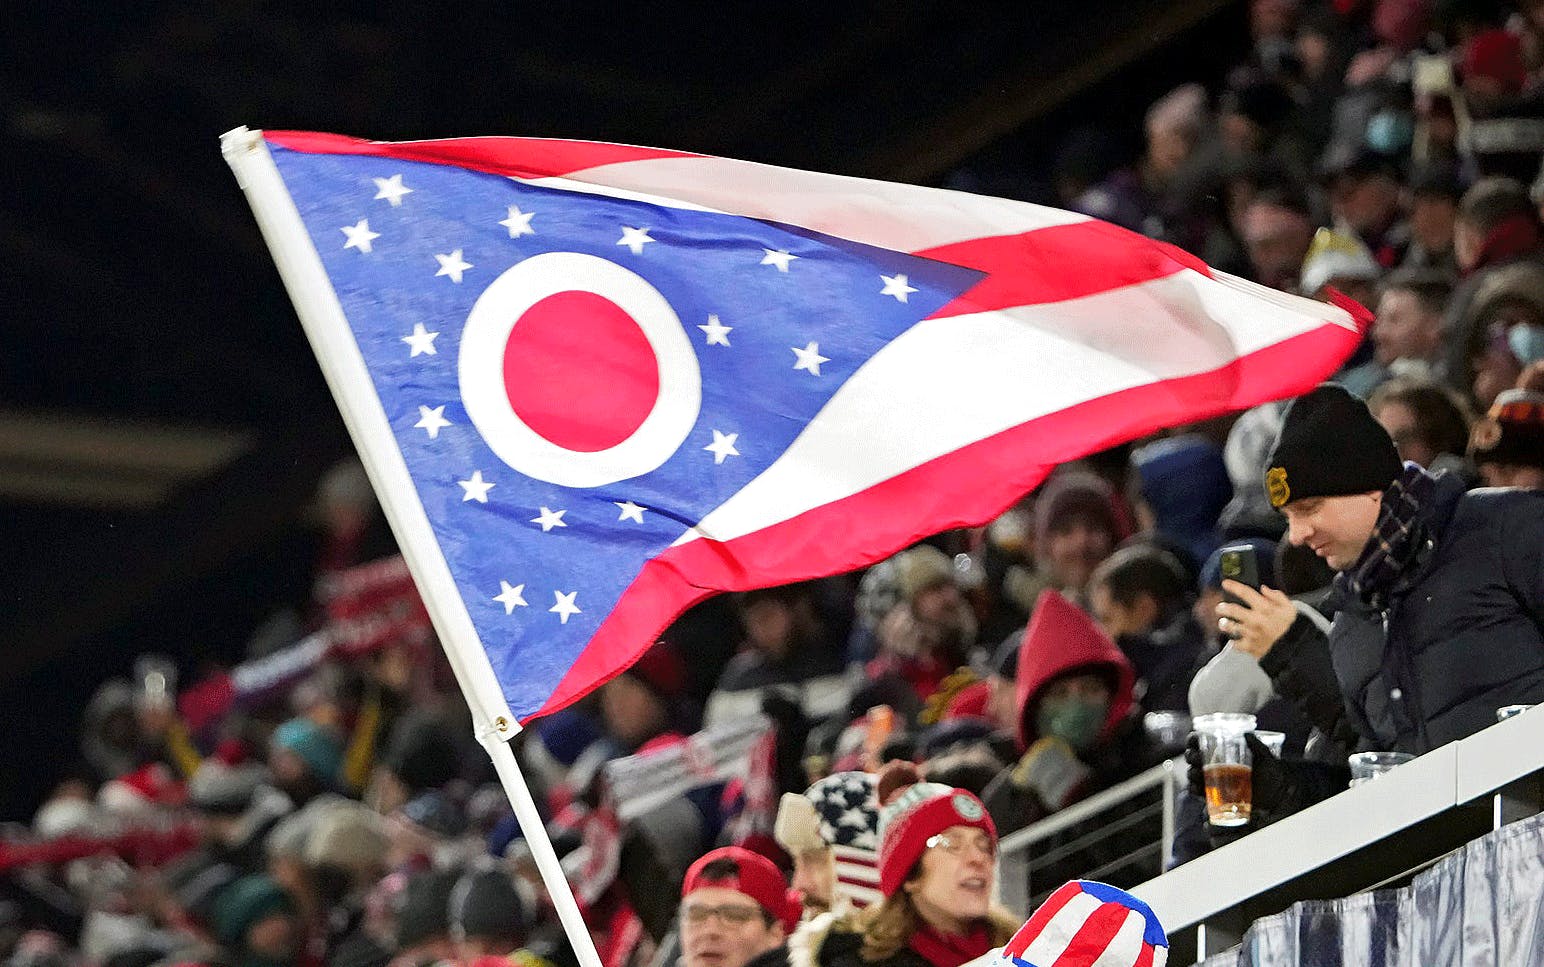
pixel 928 633
pixel 305 759
pixel 1434 195
pixel 833 821
pixel 1277 229
pixel 784 646
pixel 1141 598
pixel 1075 726
pixel 1338 261
pixel 1075 529
pixel 1508 444
pixel 1424 650
pixel 647 701
pixel 735 906
pixel 1502 333
pixel 1428 423
pixel 937 852
pixel 487 916
pixel 1364 196
pixel 1184 488
pixel 1407 335
pixel 254 920
pixel 1496 228
pixel 423 920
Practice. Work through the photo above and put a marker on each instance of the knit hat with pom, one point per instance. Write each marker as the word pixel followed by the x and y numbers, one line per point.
pixel 911 812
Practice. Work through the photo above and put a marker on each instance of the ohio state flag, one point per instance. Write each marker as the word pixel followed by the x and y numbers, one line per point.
pixel 597 383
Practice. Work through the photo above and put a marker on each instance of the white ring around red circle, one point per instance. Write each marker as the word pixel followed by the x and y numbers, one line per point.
pixel 481 366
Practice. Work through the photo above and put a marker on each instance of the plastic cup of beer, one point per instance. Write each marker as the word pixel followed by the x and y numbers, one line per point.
pixel 1367 766
pixel 1226 766
pixel 1168 729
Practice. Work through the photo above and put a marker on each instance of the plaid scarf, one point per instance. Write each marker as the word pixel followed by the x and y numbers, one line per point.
pixel 1397 538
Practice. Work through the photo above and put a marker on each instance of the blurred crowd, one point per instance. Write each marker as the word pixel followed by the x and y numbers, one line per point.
pixel 324 802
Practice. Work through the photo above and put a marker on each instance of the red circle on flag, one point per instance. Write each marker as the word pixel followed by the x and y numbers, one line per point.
pixel 580 372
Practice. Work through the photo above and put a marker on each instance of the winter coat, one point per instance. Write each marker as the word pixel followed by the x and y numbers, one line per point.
pixel 836 940
pixel 1049 651
pixel 1166 659
pixel 1463 632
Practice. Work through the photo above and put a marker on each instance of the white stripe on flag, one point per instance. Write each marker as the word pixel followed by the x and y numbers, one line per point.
pixel 1126 945
pixel 1060 930
pixel 906 218
pixel 1194 324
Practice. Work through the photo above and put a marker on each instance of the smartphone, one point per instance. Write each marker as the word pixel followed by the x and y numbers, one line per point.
pixel 1238 563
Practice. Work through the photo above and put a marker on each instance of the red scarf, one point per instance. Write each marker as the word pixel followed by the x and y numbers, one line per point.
pixel 948 949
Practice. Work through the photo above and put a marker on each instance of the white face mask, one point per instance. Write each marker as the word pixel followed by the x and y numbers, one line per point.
pixel 1526 342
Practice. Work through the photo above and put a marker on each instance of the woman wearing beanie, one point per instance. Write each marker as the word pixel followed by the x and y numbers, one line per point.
pixel 937 856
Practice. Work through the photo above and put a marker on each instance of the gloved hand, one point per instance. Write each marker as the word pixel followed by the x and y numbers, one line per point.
pixel 1281 787
pixel 1053 772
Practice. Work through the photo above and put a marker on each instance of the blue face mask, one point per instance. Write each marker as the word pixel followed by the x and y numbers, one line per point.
pixel 1526 343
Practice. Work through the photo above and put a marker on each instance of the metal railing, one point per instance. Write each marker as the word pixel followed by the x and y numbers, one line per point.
pixel 1122 836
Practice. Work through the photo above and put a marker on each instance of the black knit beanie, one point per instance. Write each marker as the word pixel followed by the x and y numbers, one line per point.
pixel 485 904
pixel 1329 446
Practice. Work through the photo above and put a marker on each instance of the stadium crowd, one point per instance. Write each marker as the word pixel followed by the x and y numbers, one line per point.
pixel 326 803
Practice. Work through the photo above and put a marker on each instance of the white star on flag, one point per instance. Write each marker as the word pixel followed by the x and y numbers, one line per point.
pixel 511 596
pixel 635 239
pixel 519 222
pixel 565 605
pixel 718 333
pixel 421 340
pixel 432 420
pixel 452 265
pixel 809 358
pixel 359 236
pixel 549 519
pixel 777 257
pixel 630 511
pixel 476 488
pixel 391 189
pixel 722 446
pixel 896 285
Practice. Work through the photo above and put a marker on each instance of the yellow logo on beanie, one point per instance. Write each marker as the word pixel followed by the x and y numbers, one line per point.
pixel 1276 486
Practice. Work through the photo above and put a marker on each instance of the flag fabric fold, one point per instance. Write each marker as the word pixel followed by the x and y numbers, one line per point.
pixel 622 379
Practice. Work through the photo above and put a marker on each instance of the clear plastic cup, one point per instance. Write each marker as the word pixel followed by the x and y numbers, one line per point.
pixel 1367 766
pixel 1507 711
pixel 1272 740
pixel 1226 766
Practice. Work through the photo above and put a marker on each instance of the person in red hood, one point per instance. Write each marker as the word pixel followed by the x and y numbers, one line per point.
pixel 1076 727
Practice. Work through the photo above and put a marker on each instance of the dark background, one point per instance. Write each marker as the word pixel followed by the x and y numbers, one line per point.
pixel 163 423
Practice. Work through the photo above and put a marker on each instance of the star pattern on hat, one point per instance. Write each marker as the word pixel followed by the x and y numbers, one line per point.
pixel 848 810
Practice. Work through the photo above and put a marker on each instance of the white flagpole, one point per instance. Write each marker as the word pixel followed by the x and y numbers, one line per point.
pixel 321 314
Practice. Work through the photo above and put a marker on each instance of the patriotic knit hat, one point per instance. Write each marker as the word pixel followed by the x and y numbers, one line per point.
pixel 841 813
pixel 912 812
pixel 754 876
pixel 1086 923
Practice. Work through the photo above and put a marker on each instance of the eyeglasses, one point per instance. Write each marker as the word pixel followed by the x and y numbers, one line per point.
pixel 731 914
pixel 957 846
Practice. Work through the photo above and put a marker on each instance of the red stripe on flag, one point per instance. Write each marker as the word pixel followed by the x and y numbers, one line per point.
pixel 1035 925
pixel 1144 956
pixel 960 489
pixel 1093 937
pixel 514 157
pixel 1057 263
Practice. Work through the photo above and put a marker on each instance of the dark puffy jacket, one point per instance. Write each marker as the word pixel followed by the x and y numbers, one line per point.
pixel 1464 628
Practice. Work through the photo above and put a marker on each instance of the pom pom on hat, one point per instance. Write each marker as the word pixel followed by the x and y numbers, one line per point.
pixel 1072 928
pixel 911 812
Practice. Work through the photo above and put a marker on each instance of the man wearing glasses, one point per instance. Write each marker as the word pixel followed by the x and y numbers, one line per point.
pixel 735 905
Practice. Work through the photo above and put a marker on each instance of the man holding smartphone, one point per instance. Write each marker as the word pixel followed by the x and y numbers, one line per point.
pixel 1442 591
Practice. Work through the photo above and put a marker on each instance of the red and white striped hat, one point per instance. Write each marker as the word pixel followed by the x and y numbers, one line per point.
pixel 1086 923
